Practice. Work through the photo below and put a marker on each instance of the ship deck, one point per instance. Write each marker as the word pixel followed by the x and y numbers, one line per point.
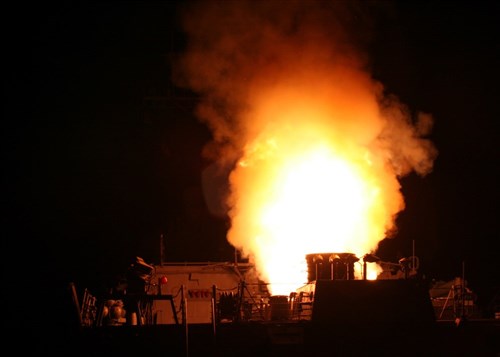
pixel 279 338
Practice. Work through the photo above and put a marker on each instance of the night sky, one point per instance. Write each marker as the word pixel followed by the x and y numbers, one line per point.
pixel 102 153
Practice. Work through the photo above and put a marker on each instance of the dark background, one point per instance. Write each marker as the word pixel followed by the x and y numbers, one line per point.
pixel 102 154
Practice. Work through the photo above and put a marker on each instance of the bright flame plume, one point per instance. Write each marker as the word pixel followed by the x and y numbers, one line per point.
pixel 319 147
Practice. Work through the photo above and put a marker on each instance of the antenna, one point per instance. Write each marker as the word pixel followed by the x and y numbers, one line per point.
pixel 413 266
pixel 161 249
pixel 463 289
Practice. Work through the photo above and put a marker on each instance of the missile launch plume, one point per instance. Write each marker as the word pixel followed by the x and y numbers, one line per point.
pixel 314 145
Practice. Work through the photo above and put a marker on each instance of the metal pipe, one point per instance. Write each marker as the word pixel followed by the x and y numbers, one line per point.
pixel 184 319
pixel 214 312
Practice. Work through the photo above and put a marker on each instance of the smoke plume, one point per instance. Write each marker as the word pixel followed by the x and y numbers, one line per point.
pixel 276 78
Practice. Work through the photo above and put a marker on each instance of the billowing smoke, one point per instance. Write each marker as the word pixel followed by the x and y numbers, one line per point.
pixel 284 88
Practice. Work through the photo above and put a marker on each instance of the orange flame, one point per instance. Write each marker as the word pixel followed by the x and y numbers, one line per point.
pixel 303 189
pixel 319 146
